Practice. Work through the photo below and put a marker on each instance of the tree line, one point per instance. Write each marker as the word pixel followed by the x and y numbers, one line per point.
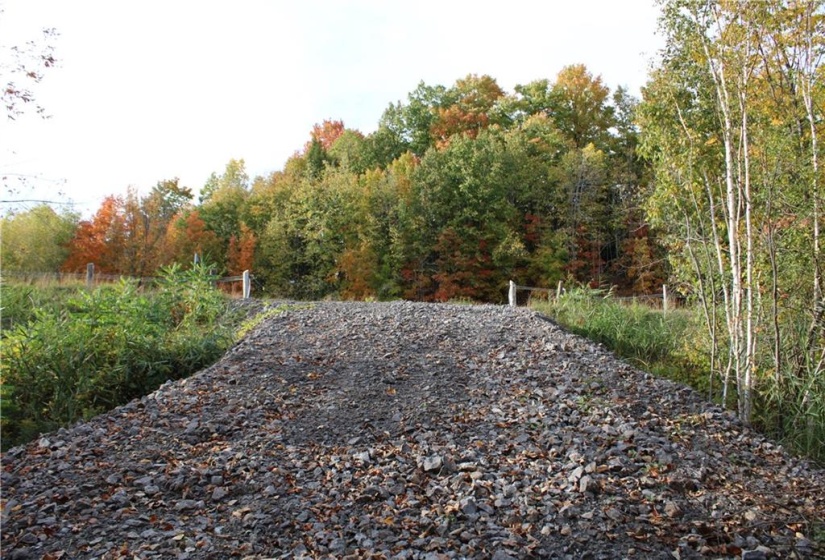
pixel 457 190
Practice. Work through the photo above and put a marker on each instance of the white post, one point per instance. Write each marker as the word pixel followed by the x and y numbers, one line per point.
pixel 511 295
pixel 247 285
pixel 558 291
pixel 664 298
pixel 90 275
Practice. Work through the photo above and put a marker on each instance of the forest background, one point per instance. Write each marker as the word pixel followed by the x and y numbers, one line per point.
pixel 711 182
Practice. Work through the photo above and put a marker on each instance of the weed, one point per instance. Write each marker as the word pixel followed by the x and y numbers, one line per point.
pixel 73 355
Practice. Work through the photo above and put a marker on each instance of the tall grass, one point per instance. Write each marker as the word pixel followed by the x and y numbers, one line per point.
pixel 68 354
pixel 19 302
pixel 642 335
pixel 791 406
pixel 788 407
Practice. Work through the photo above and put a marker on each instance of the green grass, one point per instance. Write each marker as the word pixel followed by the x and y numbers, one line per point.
pixel 640 334
pixel 20 302
pixel 69 353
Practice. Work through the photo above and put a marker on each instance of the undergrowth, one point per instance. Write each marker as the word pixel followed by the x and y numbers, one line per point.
pixel 640 334
pixel 69 354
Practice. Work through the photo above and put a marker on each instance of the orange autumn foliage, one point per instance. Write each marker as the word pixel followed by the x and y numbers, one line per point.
pixel 326 133
pixel 186 235
pixel 99 240
pixel 241 251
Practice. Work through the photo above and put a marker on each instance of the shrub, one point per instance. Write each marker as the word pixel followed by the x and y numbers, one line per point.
pixel 103 348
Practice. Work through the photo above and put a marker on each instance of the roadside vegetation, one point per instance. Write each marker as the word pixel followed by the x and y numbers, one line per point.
pixel 69 353
pixel 676 345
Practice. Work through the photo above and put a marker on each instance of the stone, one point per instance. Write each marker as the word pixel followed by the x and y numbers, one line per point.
pixel 581 459
pixel 468 505
pixel 672 509
pixel 432 463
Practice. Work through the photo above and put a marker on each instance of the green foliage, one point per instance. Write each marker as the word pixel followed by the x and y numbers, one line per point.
pixel 35 240
pixel 792 410
pixel 351 151
pixel 222 201
pixel 19 303
pixel 103 348
pixel 738 196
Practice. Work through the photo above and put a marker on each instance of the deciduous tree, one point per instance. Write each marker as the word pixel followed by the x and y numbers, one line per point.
pixel 36 240
pixel 725 123
pixel 99 240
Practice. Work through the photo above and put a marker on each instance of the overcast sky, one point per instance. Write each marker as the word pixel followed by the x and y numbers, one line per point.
pixel 155 89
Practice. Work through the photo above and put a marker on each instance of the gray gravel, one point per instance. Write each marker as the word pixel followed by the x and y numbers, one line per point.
pixel 420 431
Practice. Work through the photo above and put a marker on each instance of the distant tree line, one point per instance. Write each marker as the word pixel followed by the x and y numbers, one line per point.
pixel 457 190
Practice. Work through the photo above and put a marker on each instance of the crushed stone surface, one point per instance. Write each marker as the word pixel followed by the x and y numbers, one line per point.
pixel 411 431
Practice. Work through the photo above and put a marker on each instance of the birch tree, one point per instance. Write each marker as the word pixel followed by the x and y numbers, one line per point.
pixel 735 80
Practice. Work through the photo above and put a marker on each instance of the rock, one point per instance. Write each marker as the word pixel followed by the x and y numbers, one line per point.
pixel 500 434
pixel 804 546
pixel 186 505
pixel 468 505
pixel 363 457
pixel 576 474
pixel 615 514
pixel 432 463
pixel 672 509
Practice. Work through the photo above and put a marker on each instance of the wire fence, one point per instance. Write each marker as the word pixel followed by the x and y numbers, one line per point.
pixel 663 301
pixel 234 284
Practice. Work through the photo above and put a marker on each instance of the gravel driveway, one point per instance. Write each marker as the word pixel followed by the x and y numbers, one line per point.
pixel 408 430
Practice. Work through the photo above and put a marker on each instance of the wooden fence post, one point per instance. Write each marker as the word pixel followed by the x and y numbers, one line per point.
pixel 511 294
pixel 90 275
pixel 558 291
pixel 664 299
pixel 247 285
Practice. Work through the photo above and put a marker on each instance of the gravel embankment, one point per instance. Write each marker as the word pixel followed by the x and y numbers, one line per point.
pixel 402 430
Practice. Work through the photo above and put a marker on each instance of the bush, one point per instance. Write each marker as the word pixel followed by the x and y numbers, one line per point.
pixel 20 302
pixel 101 349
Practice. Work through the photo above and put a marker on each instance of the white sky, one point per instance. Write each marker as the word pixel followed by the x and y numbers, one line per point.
pixel 154 89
